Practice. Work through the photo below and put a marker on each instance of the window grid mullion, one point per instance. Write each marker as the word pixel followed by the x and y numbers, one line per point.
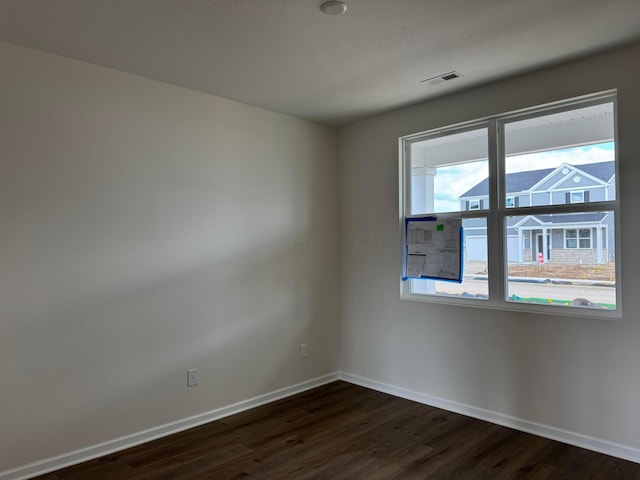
pixel 607 205
pixel 496 212
pixel 495 240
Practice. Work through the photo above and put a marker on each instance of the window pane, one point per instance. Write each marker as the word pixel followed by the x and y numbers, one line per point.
pixel 446 169
pixel 577 197
pixel 556 214
pixel 566 157
pixel 544 265
pixel 474 281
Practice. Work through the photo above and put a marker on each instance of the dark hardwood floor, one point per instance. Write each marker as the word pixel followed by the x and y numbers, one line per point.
pixel 342 431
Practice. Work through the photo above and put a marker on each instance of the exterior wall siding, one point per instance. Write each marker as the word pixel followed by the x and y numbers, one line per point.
pixel 583 184
pixel 540 198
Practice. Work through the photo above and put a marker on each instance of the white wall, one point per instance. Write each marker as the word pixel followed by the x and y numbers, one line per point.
pixel 578 374
pixel 146 229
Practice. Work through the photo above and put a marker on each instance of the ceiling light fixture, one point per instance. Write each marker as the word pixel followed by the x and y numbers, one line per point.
pixel 333 8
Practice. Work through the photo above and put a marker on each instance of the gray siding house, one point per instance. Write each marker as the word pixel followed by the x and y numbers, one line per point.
pixel 568 238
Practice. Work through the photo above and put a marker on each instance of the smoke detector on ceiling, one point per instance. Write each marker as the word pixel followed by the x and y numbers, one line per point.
pixel 445 77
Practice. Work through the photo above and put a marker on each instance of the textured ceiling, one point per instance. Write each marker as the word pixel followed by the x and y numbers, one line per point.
pixel 287 56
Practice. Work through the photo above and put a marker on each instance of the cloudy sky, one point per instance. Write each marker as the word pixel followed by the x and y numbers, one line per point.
pixel 452 181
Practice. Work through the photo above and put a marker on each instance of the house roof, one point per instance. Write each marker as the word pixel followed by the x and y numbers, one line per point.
pixel 602 170
pixel 558 219
pixel 572 218
pixel 523 181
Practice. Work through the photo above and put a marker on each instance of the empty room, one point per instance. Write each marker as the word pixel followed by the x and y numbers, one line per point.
pixel 306 239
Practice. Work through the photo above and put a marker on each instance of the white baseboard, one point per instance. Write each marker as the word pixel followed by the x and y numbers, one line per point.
pixel 590 443
pixel 78 456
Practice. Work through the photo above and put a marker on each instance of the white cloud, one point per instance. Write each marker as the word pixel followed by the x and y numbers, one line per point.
pixel 452 181
pixel 553 159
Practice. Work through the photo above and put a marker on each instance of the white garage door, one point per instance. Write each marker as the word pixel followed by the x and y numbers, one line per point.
pixel 512 249
pixel 476 249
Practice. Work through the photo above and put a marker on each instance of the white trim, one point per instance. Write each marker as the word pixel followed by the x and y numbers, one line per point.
pixel 534 188
pixel 571 192
pixel 506 201
pixel 95 451
pixel 598 183
pixel 565 436
pixel 484 236
pixel 563 177
pixel 580 187
pixel 42 467
pixel 576 171
pixel 577 239
pixel 525 219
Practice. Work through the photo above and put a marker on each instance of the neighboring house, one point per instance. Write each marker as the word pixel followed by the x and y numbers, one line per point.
pixel 569 238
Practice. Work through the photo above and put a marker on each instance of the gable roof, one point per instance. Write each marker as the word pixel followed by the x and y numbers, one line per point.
pixel 602 170
pixel 522 181
pixel 573 218
pixel 562 219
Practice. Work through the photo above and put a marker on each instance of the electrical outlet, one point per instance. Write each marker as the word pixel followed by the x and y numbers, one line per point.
pixel 192 377
pixel 303 350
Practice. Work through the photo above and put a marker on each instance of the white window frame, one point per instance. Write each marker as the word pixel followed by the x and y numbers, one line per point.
pixel 577 238
pixel 497 211
pixel 590 238
pixel 513 201
pixel 474 204
pixel 567 238
pixel 572 193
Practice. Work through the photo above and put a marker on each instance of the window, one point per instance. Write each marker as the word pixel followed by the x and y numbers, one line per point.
pixel 580 238
pixel 576 197
pixel 442 169
pixel 532 240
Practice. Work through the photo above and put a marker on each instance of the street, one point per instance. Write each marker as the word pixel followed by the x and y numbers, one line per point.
pixel 537 290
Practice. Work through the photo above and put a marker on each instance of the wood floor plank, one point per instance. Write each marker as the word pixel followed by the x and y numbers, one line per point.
pixel 342 431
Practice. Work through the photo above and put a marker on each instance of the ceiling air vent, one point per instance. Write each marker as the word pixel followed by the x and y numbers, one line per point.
pixel 441 78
